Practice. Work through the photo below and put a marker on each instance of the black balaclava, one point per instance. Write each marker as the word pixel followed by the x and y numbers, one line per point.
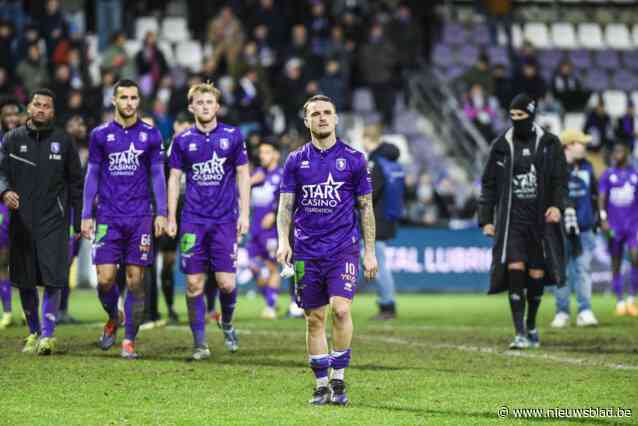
pixel 523 128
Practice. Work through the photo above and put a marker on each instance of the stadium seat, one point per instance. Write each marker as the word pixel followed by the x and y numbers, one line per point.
pixel 468 55
pixel 517 36
pixel 145 24
pixel 549 59
pixel 617 36
pixel 634 33
pixel 400 142
pixel 132 47
pixel 634 97
pixel 590 36
pixel 537 33
pixel 175 29
pixel 597 80
pixel 189 55
pixel 563 35
pixel 551 120
pixel 442 55
pixel 580 58
pixel 615 102
pixel 607 59
pixel 498 55
pixel 574 120
pixel 480 35
pixel 630 59
pixel 362 100
pixel 453 33
pixel 624 80
pixel 167 49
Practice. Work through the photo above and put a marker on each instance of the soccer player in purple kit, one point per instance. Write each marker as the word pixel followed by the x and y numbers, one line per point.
pixel 618 202
pixel 324 182
pixel 123 154
pixel 262 246
pixel 213 157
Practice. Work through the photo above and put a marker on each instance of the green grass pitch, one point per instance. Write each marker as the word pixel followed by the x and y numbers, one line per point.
pixel 442 362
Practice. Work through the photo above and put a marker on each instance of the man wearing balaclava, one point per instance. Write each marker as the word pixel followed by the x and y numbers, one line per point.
pixel 523 192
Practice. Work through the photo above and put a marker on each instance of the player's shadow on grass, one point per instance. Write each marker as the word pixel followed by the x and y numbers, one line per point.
pixel 424 412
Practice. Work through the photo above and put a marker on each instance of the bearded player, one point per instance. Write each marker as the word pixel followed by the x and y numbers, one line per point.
pixel 215 212
pixel 324 183
pixel 123 154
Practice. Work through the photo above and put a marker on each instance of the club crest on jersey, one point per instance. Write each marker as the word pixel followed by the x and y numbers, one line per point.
pixel 110 137
pixel 55 147
pixel 341 164
pixel 143 136
pixel 224 143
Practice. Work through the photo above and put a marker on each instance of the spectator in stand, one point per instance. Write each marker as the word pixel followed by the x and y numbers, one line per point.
pixel 424 210
pixel 8 43
pixel 227 35
pixel 626 130
pixel 78 67
pixel 151 64
pixel 268 14
pixel 291 94
pixel 61 86
pixel 77 107
pixel 53 26
pixel 599 126
pixel 481 109
pixel 32 71
pixel 529 81
pixel 377 64
pixel 567 88
pixel 335 85
pixel 30 36
pixel 341 50
pixel 250 103
pixel 502 86
pixel 116 57
pixel 8 87
pixel 318 26
pixel 301 49
pixel 479 74
pixel 266 52
pixel 498 13
pixel 404 31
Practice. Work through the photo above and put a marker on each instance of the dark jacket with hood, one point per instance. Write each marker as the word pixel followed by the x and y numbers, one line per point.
pixel 43 168
pixel 386 229
pixel 496 202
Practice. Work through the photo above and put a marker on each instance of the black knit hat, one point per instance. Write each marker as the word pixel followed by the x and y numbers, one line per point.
pixel 525 103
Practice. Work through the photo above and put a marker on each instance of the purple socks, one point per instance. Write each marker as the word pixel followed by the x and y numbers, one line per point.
pixel 633 283
pixel 197 318
pixel 50 307
pixel 228 301
pixel 134 312
pixel 617 284
pixel 5 295
pixel 270 296
pixel 30 303
pixel 109 299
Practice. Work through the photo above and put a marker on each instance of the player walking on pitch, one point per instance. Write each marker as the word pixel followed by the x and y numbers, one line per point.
pixel 213 157
pixel 324 182
pixel 122 155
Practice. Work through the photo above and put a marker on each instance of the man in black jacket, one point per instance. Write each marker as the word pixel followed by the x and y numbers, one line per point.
pixel 524 188
pixel 382 162
pixel 39 171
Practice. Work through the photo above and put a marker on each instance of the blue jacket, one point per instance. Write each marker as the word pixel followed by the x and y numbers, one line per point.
pixel 583 193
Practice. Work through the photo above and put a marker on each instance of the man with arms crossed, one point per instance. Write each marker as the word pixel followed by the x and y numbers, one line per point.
pixel 322 182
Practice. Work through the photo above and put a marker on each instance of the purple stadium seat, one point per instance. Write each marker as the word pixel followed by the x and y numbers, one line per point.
pixel 453 33
pixel 480 35
pixel 549 58
pixel 498 55
pixel 630 59
pixel 624 80
pixel 468 55
pixel 607 59
pixel 597 80
pixel 580 58
pixel 442 56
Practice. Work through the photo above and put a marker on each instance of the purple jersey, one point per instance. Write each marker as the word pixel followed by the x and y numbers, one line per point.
pixel 209 161
pixel 619 185
pixel 124 157
pixel 326 185
pixel 264 197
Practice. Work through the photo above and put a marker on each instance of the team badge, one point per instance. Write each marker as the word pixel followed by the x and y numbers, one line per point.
pixel 143 136
pixel 341 164
pixel 224 143
pixel 55 147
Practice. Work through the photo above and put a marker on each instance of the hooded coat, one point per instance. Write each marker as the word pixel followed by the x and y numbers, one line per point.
pixel 386 228
pixel 496 202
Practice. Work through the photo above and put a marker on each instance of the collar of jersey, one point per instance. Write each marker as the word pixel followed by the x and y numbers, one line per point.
pixel 137 123
pixel 199 132
pixel 328 151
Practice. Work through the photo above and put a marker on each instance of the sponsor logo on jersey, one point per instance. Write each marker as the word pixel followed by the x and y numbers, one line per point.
pixel 321 197
pixel 125 162
pixel 209 172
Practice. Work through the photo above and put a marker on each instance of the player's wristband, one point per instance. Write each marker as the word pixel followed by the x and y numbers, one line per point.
pixel 603 215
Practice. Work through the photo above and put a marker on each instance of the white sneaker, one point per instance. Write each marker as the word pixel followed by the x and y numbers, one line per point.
pixel 295 311
pixel 269 313
pixel 561 320
pixel 586 319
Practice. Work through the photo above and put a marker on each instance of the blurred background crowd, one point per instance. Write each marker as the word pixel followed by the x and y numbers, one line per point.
pixel 435 78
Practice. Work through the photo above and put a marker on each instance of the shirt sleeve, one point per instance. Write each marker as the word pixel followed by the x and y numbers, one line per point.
pixel 289 178
pixel 241 155
pixel 362 179
pixel 96 154
pixel 175 160
pixel 156 153
pixel 603 185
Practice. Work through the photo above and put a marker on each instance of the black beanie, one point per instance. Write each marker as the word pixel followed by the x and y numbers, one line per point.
pixel 525 103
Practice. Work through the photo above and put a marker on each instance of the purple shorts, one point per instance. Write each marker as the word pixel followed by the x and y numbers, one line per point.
pixel 263 245
pixel 204 247
pixel 318 280
pixel 625 237
pixel 127 240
